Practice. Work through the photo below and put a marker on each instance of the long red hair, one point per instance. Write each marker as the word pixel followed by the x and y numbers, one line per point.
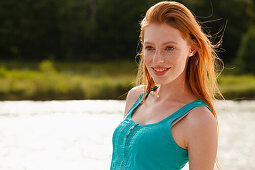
pixel 201 67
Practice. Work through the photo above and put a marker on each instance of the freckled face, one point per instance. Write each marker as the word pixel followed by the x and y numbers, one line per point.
pixel 166 53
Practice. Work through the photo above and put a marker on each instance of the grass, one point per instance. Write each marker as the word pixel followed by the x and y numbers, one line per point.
pixel 60 81
pixel 87 80
pixel 237 87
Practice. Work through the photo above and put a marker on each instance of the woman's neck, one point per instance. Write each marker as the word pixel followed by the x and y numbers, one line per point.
pixel 176 91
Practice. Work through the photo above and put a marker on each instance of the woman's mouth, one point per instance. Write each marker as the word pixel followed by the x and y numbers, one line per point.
pixel 160 71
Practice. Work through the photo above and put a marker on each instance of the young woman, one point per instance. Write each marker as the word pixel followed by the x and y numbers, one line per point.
pixel 170 119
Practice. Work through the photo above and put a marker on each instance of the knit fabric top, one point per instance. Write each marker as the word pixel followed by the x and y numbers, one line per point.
pixel 149 146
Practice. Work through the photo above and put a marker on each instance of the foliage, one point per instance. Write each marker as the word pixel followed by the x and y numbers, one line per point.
pixel 246 53
pixel 103 30
pixel 88 80
pixel 237 87
pixel 69 30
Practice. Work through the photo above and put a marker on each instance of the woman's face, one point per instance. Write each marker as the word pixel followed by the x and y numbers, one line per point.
pixel 166 53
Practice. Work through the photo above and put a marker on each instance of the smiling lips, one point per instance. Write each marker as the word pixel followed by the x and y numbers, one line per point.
pixel 160 71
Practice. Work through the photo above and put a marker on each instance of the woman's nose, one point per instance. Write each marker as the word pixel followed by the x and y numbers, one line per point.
pixel 158 58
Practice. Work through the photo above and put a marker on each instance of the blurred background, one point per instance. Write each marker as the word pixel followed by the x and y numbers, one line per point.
pixel 85 49
pixel 67 65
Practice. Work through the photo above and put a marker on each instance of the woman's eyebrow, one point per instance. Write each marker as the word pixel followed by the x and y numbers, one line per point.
pixel 147 42
pixel 168 42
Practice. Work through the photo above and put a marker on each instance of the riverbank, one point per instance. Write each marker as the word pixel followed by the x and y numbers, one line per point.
pixel 86 80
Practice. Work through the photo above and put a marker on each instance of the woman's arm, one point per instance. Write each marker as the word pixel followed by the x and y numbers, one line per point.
pixel 202 139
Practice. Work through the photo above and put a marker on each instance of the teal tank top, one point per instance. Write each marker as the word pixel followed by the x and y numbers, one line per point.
pixel 151 146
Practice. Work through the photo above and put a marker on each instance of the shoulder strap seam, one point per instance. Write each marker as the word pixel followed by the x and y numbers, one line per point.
pixel 178 119
pixel 182 111
pixel 137 102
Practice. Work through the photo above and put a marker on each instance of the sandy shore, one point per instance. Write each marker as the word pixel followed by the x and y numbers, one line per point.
pixel 76 135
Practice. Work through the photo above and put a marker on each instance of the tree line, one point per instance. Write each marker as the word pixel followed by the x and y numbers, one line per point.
pixel 99 30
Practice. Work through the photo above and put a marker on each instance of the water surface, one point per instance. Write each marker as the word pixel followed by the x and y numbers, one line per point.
pixel 68 135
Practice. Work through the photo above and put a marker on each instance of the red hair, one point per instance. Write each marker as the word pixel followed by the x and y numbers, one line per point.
pixel 201 67
pixel 200 75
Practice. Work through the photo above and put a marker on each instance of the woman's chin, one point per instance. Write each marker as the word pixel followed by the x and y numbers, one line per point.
pixel 159 81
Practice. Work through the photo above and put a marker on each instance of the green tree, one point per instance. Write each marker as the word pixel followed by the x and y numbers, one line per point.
pixel 246 53
pixel 104 29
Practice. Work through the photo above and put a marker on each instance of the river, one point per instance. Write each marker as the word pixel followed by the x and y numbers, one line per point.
pixel 76 135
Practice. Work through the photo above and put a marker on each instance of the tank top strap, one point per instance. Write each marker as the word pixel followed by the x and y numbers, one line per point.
pixel 188 107
pixel 139 100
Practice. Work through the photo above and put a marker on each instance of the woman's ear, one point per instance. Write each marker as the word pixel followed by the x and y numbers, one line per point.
pixel 192 50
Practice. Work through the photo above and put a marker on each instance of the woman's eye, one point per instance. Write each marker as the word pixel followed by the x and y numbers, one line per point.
pixel 169 48
pixel 149 48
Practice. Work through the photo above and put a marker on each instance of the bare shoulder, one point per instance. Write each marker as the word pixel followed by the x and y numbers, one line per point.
pixel 202 138
pixel 132 96
pixel 200 118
